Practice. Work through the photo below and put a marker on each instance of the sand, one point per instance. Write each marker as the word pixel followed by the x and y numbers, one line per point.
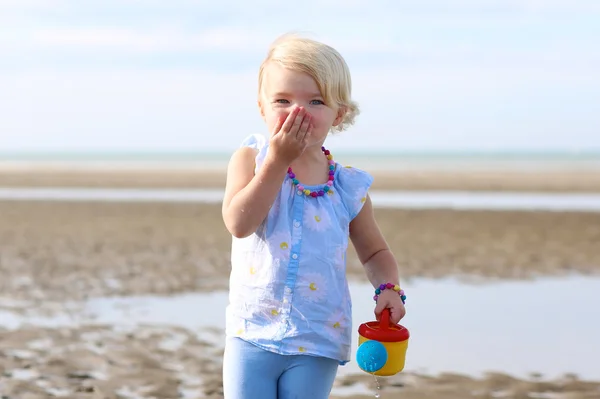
pixel 61 250
pixel 56 254
pixel 157 362
pixel 573 179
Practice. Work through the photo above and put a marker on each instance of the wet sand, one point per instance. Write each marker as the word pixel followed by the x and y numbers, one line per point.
pixel 572 179
pixel 54 254
pixel 157 362
pixel 61 250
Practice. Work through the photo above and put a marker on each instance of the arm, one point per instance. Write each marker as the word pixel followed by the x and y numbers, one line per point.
pixel 372 249
pixel 248 198
pixel 377 259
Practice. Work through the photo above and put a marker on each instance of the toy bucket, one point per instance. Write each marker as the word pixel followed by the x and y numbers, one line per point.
pixel 382 346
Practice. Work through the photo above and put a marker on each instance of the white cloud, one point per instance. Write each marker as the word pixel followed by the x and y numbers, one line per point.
pixel 155 41
pixel 428 30
pixel 167 40
pixel 330 8
pixel 18 5
pixel 163 41
pixel 341 6
pixel 427 74
pixel 478 6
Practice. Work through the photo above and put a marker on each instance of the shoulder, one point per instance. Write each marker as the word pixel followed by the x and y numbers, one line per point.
pixel 245 155
pixel 241 158
pixel 242 164
pixel 352 185
pixel 256 141
pixel 349 175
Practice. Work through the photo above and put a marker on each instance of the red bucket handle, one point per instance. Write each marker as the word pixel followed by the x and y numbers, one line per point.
pixel 384 322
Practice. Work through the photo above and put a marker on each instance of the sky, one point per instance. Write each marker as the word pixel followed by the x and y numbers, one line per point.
pixel 181 75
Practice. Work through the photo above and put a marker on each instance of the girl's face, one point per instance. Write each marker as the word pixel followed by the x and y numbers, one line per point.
pixel 285 89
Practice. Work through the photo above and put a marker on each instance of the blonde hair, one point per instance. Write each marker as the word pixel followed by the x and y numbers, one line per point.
pixel 323 63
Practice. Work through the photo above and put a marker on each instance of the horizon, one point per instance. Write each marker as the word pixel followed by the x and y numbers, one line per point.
pixel 125 154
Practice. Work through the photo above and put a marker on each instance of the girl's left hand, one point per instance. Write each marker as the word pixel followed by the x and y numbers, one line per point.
pixel 391 300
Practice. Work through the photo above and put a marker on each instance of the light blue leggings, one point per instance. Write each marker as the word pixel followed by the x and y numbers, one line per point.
pixel 250 372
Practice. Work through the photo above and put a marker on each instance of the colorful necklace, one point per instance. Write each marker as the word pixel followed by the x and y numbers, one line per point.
pixel 327 187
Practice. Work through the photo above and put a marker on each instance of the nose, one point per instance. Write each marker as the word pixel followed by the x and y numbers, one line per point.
pixel 284 113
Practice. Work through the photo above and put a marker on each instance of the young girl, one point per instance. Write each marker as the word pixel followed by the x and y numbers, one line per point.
pixel 292 209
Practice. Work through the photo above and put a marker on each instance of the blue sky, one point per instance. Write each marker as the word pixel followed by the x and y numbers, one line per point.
pixel 436 75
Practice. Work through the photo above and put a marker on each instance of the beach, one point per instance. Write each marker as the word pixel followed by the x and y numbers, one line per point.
pixel 63 262
pixel 505 176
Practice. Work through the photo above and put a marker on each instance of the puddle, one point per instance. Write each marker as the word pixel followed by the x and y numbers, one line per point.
pixel 547 326
pixel 21 317
pixel 388 199
pixel 111 194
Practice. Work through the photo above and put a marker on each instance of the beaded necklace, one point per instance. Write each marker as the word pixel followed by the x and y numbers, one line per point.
pixel 327 187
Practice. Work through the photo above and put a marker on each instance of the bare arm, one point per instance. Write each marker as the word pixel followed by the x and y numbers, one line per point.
pixel 378 261
pixel 372 249
pixel 248 198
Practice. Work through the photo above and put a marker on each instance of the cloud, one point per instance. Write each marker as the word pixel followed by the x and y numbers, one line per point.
pixel 339 6
pixel 172 40
pixel 159 40
pixel 18 5
pixel 430 30
pixel 515 6
pixel 156 74
pixel 236 41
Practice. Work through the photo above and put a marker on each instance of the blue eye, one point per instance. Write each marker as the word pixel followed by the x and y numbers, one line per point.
pixel 318 102
pixel 281 101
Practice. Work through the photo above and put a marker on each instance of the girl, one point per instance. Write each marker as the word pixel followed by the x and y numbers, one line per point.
pixel 291 210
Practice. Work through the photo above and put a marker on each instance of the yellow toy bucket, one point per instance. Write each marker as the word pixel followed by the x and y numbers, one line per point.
pixel 382 346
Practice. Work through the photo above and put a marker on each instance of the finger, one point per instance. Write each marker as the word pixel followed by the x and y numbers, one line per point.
pixel 287 125
pixel 306 122
pixel 308 133
pixel 297 122
pixel 396 315
pixel 278 125
pixel 379 308
pixel 401 313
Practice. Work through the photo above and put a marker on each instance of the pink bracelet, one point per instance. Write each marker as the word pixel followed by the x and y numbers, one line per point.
pixel 390 286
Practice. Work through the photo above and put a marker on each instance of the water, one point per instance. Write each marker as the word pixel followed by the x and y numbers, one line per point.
pixel 388 199
pixel 111 194
pixel 547 326
pixel 376 160
pixel 377 388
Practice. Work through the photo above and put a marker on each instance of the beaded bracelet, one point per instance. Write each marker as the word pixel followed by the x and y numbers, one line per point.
pixel 390 286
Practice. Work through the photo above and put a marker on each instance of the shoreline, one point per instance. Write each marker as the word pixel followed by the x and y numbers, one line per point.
pixel 543 180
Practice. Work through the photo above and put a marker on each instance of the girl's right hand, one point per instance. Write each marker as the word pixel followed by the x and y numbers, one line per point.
pixel 290 137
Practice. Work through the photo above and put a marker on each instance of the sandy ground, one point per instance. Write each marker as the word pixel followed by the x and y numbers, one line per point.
pixel 153 362
pixel 60 250
pixel 479 179
pixel 55 253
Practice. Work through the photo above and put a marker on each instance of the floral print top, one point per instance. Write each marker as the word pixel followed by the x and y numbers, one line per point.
pixel 288 288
